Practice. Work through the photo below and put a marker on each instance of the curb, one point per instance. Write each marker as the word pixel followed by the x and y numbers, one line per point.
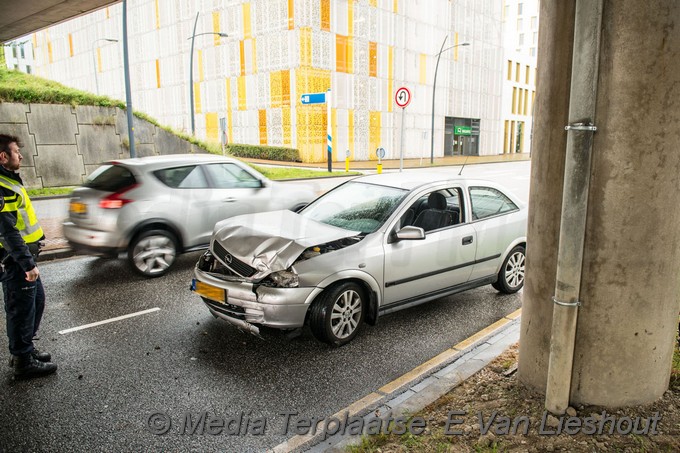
pixel 56 254
pixel 417 388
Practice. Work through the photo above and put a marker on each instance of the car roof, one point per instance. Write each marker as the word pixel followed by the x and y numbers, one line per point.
pixel 171 159
pixel 413 180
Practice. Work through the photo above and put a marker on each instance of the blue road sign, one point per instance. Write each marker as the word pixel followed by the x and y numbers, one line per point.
pixel 313 98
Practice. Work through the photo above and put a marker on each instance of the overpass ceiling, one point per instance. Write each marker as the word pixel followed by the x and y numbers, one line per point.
pixel 20 18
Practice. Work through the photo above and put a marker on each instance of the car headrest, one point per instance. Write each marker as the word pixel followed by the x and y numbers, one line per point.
pixel 436 201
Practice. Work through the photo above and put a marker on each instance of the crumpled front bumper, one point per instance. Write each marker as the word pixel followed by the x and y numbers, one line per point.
pixel 281 308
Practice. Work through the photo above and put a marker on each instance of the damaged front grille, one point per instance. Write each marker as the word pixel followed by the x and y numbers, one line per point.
pixel 232 262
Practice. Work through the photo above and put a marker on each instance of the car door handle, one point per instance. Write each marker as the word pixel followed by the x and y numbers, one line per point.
pixel 229 199
pixel 467 240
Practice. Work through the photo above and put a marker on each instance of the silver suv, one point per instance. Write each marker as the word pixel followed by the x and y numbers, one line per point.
pixel 156 207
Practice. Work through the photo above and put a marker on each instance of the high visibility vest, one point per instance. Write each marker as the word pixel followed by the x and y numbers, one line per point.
pixel 27 221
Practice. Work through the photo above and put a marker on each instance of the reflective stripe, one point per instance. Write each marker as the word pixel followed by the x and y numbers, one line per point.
pixel 27 221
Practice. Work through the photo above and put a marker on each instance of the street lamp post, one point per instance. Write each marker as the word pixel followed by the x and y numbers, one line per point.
pixel 94 60
pixel 191 71
pixel 434 86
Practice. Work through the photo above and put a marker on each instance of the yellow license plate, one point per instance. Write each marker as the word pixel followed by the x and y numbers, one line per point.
pixel 211 292
pixel 78 208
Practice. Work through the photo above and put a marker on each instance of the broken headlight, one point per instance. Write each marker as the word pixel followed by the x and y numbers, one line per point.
pixel 282 279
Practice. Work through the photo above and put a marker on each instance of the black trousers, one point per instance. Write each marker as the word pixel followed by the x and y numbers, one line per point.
pixel 24 306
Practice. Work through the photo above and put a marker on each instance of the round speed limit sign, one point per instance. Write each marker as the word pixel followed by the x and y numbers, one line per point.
pixel 402 97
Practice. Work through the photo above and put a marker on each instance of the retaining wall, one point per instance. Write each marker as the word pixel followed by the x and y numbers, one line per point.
pixel 63 144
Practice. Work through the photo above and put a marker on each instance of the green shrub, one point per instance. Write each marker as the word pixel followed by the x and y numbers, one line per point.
pixel 264 152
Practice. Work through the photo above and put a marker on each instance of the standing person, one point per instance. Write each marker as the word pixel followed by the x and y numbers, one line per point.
pixel 19 241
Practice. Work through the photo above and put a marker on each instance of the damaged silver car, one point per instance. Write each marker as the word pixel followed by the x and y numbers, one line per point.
pixel 371 246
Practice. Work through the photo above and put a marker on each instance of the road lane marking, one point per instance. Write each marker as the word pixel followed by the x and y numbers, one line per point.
pixel 106 321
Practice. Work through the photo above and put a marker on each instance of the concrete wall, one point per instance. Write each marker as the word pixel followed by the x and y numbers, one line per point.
pixel 64 144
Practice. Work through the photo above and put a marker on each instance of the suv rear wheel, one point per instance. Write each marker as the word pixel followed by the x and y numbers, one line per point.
pixel 152 253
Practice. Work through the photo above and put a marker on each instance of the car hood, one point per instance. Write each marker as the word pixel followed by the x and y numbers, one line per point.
pixel 272 241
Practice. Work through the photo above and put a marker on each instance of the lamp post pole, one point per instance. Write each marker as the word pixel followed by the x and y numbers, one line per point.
pixel 128 91
pixel 191 71
pixel 94 60
pixel 434 87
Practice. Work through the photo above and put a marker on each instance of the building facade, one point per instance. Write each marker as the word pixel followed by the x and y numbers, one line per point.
pixel 248 87
pixel 520 38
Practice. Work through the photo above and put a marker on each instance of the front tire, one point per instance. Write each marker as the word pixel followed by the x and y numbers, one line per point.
pixel 511 276
pixel 152 253
pixel 338 314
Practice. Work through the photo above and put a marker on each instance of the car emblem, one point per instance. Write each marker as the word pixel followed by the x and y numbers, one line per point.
pixel 227 258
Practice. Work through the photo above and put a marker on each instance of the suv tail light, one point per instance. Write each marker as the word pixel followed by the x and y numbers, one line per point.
pixel 116 199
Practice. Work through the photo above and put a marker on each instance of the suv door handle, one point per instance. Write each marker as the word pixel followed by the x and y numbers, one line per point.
pixel 229 200
pixel 467 240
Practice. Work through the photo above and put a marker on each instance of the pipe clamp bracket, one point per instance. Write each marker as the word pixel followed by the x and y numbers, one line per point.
pixel 566 304
pixel 580 127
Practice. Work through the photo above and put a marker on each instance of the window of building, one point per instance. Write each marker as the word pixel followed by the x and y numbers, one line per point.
pixel 528 73
pixel 28 69
pixel 534 22
pixel 519 24
pixel 521 39
pixel 520 7
pixel 23 53
pixel 532 51
pixel 534 39
pixel 506 11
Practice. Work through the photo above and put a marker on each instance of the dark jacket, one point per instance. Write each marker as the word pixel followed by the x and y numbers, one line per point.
pixel 12 242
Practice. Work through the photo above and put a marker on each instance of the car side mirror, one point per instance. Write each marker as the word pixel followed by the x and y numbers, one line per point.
pixel 410 232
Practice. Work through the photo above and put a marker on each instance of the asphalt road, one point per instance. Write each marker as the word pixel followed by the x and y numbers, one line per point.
pixel 179 361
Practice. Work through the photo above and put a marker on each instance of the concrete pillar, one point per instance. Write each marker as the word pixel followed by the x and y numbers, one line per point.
pixel 630 288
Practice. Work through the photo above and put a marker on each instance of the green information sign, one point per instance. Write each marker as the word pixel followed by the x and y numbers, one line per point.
pixel 462 130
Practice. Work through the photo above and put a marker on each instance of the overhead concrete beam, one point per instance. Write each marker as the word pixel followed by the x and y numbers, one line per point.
pixel 18 19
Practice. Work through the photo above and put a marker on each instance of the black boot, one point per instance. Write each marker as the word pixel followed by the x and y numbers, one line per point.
pixel 27 367
pixel 37 355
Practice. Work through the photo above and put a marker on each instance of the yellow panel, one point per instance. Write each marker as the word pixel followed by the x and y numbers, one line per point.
pixel 247 29
pixel 70 44
pixel 350 132
pixel 340 53
pixel 158 15
pixel 390 78
pixel 35 39
pixel 49 51
pixel 374 139
pixel 514 100
pixel 285 87
pixel 526 100
pixel 423 69
pixel 311 119
pixel 350 55
pixel 254 47
pixel 509 70
pixel 520 98
pixel 108 15
pixel 99 60
pixel 197 97
pixel 158 73
pixel 455 49
pixel 200 66
pixel 242 56
pixel 305 46
pixel 229 113
pixel 212 129
pixel 262 114
pixel 242 93
pixel 275 88
pixel 505 137
pixel 326 15
pixel 372 59
pixel 291 14
pixel 216 27
pixel 396 6
pixel 285 119
pixel 350 18
pixel 373 3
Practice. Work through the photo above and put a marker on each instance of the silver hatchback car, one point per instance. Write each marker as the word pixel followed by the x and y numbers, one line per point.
pixel 371 246
pixel 156 207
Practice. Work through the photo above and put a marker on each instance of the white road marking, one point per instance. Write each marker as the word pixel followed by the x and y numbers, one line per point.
pixel 106 321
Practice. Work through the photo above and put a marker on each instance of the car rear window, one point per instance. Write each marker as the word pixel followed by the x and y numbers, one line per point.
pixel 110 178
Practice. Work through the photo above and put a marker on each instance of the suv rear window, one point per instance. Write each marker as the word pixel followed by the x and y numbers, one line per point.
pixel 110 178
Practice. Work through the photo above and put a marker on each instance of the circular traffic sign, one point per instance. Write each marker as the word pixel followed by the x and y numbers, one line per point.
pixel 380 152
pixel 402 97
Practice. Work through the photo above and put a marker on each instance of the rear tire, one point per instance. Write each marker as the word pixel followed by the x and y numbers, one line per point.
pixel 511 276
pixel 337 315
pixel 152 253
